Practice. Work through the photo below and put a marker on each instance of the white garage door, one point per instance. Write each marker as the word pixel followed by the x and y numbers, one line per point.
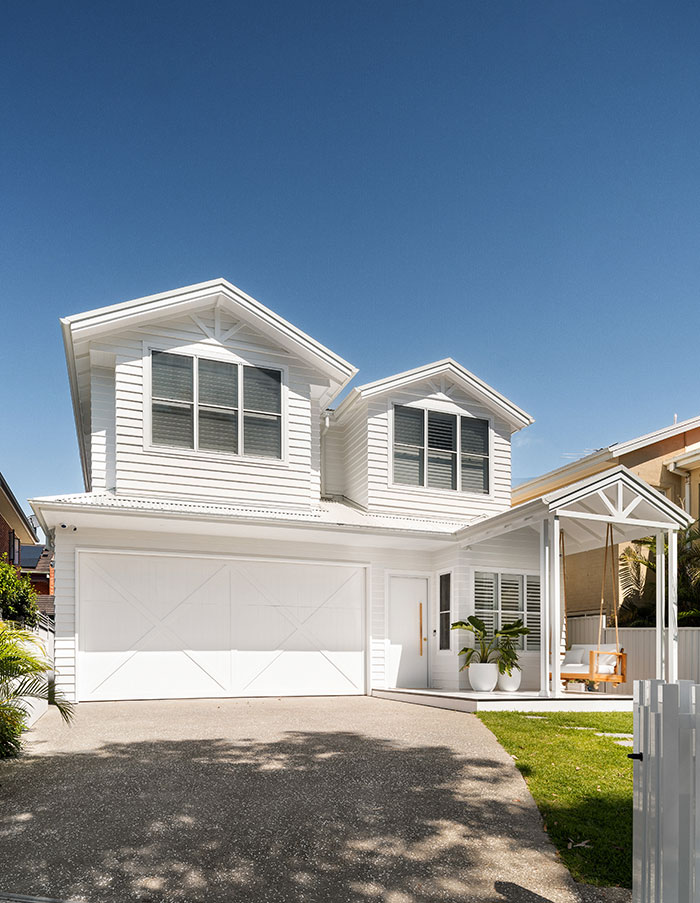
pixel 161 626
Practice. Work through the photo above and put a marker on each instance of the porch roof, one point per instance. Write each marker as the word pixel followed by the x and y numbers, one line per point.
pixel 616 496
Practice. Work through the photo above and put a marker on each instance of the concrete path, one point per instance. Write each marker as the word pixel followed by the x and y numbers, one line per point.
pixel 275 800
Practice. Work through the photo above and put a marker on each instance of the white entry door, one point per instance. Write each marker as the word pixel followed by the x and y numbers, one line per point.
pixel 408 632
pixel 167 626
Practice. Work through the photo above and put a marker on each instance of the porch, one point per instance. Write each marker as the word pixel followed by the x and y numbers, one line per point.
pixel 513 565
pixel 534 538
pixel 520 701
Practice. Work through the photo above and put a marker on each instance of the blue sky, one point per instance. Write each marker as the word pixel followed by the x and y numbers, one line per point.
pixel 515 185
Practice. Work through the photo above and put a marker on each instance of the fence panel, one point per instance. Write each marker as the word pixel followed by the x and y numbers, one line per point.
pixel 666 817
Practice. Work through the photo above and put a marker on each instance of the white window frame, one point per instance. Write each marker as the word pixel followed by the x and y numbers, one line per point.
pixel 513 572
pixel 446 409
pixel 218 354
pixel 439 574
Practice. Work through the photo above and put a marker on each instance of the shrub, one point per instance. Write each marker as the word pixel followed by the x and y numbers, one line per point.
pixel 23 675
pixel 17 595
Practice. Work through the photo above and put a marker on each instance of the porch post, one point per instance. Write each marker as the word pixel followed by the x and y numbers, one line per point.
pixel 545 550
pixel 660 605
pixel 555 608
pixel 672 669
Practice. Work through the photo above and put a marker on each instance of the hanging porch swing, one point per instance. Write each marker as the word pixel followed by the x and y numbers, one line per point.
pixel 602 662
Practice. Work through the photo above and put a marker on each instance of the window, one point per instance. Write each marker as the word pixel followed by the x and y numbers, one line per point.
pixel 435 450
pixel 445 613
pixel 500 598
pixel 197 404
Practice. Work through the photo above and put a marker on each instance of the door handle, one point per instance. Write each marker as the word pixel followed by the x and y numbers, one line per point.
pixel 420 626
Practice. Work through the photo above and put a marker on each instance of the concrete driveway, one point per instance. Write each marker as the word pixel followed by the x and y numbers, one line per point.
pixel 324 799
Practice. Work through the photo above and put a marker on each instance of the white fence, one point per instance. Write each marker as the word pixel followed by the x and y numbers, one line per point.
pixel 666 844
pixel 639 644
pixel 45 634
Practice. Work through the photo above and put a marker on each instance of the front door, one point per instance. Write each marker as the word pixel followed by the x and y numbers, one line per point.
pixel 408 632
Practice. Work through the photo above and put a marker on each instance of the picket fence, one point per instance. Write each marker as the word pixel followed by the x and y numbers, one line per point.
pixel 640 645
pixel 666 820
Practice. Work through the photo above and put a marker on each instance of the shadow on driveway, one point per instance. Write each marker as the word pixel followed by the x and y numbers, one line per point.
pixel 331 816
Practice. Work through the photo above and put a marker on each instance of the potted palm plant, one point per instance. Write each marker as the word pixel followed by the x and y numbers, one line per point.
pixel 484 658
pixel 509 672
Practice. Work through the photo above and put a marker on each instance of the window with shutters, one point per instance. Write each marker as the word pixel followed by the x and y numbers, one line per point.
pixel 445 611
pixel 435 450
pixel 503 597
pixel 215 406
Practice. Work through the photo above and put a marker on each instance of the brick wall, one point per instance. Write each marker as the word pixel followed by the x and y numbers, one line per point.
pixel 5 531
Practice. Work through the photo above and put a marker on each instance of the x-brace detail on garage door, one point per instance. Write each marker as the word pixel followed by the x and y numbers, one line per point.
pixel 300 626
pixel 155 621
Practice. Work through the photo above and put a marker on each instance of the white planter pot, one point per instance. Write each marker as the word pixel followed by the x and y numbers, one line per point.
pixel 483 676
pixel 509 683
pixel 575 687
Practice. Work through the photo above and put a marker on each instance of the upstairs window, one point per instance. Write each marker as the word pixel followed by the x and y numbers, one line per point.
pixel 215 406
pixel 434 450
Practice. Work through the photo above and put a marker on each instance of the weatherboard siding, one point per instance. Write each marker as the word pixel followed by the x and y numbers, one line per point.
pixel 143 470
pixel 333 461
pixel 518 551
pixel 103 445
pixel 356 454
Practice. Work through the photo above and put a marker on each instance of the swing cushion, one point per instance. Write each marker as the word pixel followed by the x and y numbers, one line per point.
pixel 584 669
pixel 604 661
pixel 573 656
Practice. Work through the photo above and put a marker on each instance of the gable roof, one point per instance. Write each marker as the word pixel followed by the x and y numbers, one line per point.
pixel 458 374
pixel 561 476
pixel 630 504
pixel 190 297
pixel 79 328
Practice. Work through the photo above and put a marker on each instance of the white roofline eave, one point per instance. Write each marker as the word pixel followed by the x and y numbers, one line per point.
pixel 108 317
pixel 515 415
pixel 596 457
pixel 75 400
pixel 42 504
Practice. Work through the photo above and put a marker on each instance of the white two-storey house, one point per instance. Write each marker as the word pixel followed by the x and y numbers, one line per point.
pixel 239 536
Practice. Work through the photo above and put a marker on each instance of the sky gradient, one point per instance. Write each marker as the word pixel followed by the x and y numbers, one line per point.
pixel 515 185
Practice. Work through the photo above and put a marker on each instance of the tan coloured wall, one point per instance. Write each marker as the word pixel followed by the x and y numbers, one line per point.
pixel 584 575
pixel 648 463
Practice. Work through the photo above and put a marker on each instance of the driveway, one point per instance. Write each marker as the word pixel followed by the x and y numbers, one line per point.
pixel 275 800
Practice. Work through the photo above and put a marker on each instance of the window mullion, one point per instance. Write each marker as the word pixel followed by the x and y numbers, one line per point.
pixel 241 414
pixel 458 462
pixel 425 448
pixel 195 403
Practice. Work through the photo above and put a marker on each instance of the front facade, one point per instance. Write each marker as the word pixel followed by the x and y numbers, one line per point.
pixel 240 536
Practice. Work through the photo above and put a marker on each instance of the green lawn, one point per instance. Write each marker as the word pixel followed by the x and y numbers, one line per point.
pixel 581 783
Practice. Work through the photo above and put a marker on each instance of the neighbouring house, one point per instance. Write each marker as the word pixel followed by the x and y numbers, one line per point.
pixel 37 564
pixel 15 526
pixel 667 459
pixel 239 536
